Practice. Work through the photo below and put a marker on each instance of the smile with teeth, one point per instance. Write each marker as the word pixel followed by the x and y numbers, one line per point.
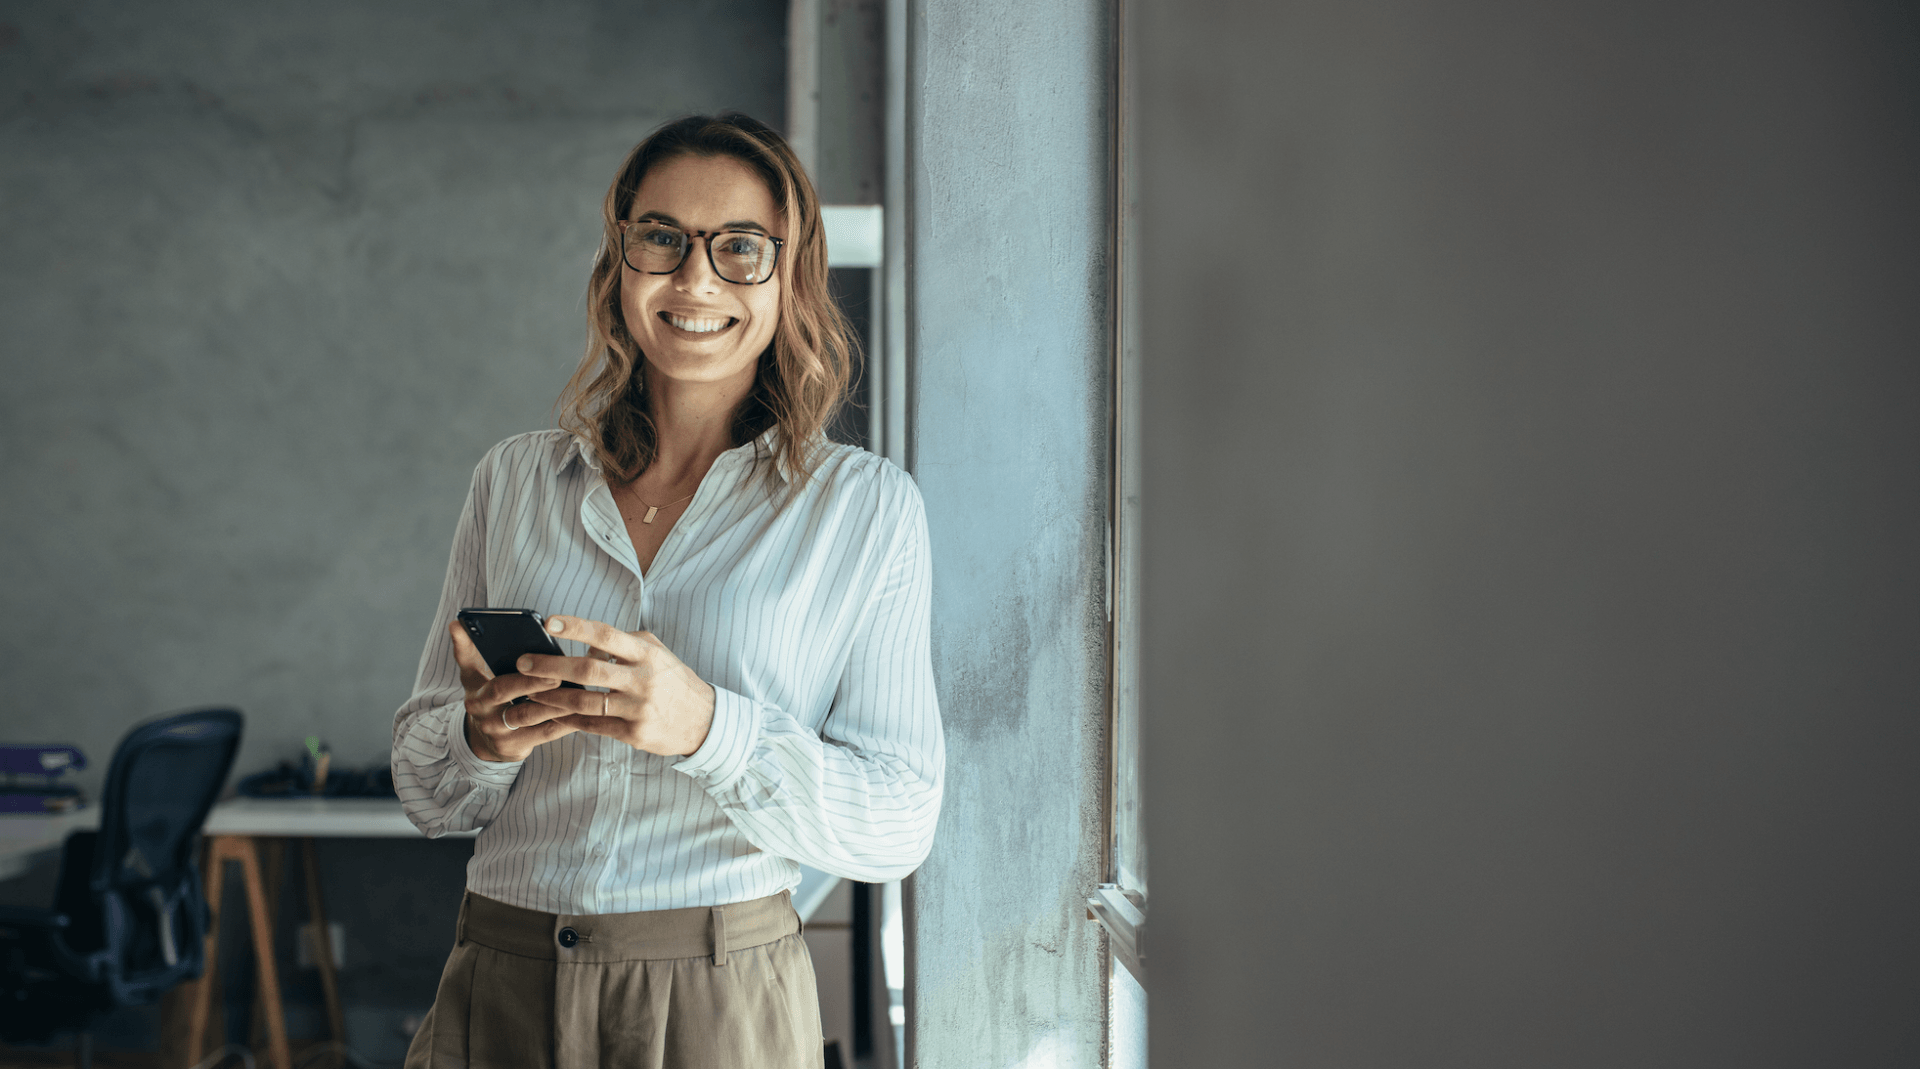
pixel 697 326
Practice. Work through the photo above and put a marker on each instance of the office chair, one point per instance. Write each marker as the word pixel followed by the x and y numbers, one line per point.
pixel 129 917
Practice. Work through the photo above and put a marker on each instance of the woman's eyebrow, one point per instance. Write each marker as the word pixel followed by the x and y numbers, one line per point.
pixel 734 224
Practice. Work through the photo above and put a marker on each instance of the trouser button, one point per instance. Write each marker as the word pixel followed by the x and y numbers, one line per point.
pixel 568 937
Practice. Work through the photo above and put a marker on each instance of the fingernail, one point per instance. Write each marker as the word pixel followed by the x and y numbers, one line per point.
pixel 554 625
pixel 523 663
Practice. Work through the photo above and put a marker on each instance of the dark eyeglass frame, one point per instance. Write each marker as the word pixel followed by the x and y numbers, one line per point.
pixel 772 268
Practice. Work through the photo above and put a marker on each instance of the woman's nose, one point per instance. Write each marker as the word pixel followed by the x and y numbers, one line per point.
pixel 696 271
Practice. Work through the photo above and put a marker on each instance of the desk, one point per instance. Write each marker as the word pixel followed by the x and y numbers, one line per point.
pixel 314 818
pixel 234 830
pixel 27 839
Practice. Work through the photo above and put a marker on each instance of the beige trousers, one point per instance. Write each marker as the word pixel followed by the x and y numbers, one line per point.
pixel 726 987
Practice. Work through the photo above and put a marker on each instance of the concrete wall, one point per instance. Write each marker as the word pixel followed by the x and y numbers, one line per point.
pixel 273 276
pixel 1533 421
pixel 850 168
pixel 1007 214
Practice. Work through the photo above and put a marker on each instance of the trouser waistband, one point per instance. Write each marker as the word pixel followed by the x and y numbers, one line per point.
pixel 692 932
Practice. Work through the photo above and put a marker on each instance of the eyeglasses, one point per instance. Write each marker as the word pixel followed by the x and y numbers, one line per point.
pixel 743 257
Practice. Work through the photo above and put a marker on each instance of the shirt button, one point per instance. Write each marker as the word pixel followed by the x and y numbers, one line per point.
pixel 568 937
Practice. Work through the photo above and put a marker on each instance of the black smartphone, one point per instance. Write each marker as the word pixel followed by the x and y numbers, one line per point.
pixel 502 635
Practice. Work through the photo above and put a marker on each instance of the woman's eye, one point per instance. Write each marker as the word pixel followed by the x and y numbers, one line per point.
pixel 665 239
pixel 740 245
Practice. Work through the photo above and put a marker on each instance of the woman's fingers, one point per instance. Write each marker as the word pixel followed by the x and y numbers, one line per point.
pixel 512 732
pixel 658 704
pixel 610 726
pixel 625 645
pixel 484 690
pixel 543 733
pixel 473 667
pixel 497 729
pixel 492 740
pixel 526 715
pixel 569 702
pixel 619 655
pixel 504 689
pixel 586 671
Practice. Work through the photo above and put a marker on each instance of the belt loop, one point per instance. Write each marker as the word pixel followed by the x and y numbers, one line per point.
pixel 460 924
pixel 719 935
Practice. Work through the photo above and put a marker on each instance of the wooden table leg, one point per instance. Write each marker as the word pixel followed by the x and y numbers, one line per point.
pixel 322 941
pixel 200 998
pixel 278 1054
pixel 272 855
pixel 240 848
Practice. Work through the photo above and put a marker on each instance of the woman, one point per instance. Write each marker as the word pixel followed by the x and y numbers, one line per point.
pixel 747 605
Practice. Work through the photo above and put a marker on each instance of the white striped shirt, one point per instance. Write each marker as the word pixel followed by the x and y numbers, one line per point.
pixel 810 618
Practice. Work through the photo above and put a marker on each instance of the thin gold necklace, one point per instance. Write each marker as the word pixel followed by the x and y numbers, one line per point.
pixel 653 510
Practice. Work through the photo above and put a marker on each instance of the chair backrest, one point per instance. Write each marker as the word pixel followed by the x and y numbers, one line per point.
pixel 139 919
pixel 166 774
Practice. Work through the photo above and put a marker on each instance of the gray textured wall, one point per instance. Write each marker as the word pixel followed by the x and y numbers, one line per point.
pixel 1533 424
pixel 850 168
pixel 1007 150
pixel 273 277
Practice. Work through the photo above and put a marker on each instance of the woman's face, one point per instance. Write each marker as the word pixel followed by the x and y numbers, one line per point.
pixel 692 325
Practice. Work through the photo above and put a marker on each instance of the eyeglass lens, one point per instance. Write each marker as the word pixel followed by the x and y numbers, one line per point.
pixel 739 256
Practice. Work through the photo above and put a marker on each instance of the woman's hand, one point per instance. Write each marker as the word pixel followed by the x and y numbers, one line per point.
pixel 496 730
pixel 653 701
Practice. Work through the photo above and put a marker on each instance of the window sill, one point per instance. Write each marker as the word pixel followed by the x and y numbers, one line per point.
pixel 1126 925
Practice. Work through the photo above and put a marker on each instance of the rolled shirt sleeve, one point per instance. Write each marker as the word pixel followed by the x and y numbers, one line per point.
pixel 443 786
pixel 859 798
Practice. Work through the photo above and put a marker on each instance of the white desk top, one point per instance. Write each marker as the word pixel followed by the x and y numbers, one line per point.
pixel 313 818
pixel 27 838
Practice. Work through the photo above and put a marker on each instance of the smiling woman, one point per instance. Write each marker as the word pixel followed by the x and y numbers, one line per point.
pixel 730 175
pixel 748 604
pixel 699 330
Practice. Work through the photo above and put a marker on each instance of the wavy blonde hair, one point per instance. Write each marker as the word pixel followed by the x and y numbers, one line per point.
pixel 803 374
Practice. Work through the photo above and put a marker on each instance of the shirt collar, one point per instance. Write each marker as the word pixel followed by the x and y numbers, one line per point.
pixel 583 451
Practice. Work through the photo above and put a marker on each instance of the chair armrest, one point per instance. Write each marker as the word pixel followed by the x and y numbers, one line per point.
pixel 28 917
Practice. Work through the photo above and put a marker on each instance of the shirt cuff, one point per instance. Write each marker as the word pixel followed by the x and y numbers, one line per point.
pixel 485 773
pixel 722 758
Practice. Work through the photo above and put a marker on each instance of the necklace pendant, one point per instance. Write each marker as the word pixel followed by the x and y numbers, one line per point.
pixel 651 509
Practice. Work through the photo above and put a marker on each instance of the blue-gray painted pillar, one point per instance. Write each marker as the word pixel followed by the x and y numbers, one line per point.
pixel 1010 343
